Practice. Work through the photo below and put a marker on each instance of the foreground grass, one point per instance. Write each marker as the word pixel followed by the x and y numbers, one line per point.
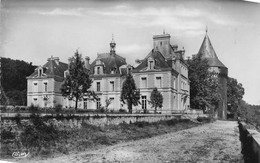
pixel 44 143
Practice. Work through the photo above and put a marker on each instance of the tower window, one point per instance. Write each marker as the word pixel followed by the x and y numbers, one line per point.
pixel 161 43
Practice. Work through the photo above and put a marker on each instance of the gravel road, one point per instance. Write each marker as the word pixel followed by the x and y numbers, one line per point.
pixel 213 142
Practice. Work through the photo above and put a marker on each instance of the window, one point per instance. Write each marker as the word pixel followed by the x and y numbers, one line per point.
pixel 98 103
pixel 112 85
pixel 111 102
pixel 45 86
pixel 35 87
pixel 150 64
pixel 144 82
pixel 98 86
pixel 144 102
pixel 85 103
pixel 98 70
pixel 174 83
pixel 66 73
pixel 39 71
pixel 161 43
pixel 158 82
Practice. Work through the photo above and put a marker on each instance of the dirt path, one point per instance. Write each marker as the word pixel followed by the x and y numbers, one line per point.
pixel 214 142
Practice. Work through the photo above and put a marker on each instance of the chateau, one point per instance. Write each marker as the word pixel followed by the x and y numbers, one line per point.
pixel 163 67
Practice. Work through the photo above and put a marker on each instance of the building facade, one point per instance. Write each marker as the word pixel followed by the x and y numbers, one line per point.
pixel 43 85
pixel 163 67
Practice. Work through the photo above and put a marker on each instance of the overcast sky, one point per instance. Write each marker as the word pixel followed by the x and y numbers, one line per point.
pixel 33 30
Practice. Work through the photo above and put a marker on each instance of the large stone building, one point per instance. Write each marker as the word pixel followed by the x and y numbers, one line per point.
pixel 164 67
pixel 43 85
pixel 207 51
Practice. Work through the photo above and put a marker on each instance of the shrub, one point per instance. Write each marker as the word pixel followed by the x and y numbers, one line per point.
pixel 7 133
pixel 102 109
pixel 33 109
pixel 17 109
pixel 58 108
pixel 122 110
pixel 203 119
pixel 17 118
pixel 39 133
pixel 3 108
pixel 141 124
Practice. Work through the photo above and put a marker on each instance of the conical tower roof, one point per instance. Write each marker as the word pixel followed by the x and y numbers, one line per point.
pixel 207 52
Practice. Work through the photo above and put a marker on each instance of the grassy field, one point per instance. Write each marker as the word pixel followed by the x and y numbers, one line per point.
pixel 45 139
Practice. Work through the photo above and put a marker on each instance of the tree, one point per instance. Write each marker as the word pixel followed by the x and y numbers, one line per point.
pixel 156 99
pixel 130 93
pixel 108 102
pixel 235 92
pixel 77 82
pixel 13 80
pixel 204 85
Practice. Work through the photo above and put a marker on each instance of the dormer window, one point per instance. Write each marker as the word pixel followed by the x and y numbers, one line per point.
pixel 40 71
pixel 129 69
pixel 98 70
pixel 113 70
pixel 98 67
pixel 98 62
pixel 150 63
pixel 66 73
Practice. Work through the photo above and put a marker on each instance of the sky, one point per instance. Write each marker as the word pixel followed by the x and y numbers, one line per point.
pixel 34 30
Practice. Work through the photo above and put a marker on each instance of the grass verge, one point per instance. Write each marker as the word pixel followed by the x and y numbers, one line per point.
pixel 45 139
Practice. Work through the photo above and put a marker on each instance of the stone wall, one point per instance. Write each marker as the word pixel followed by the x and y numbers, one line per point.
pixel 76 120
pixel 250 140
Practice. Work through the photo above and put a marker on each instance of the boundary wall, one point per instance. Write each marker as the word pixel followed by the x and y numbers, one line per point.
pixel 76 120
pixel 250 140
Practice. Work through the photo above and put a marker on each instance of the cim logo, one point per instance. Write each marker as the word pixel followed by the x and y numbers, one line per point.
pixel 20 154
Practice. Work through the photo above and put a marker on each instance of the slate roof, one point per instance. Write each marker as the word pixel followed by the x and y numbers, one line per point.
pixel 52 69
pixel 160 62
pixel 207 52
pixel 109 61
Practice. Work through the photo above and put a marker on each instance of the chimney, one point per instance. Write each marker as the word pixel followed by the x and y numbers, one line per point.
pixel 69 62
pixel 56 59
pixel 87 65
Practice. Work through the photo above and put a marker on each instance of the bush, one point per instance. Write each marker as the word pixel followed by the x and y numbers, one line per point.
pixel 203 119
pixel 3 108
pixel 18 118
pixel 39 133
pixel 122 110
pixel 34 109
pixel 141 124
pixel 58 108
pixel 17 109
pixel 102 109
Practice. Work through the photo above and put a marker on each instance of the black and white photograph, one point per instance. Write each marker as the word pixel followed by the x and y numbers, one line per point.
pixel 140 81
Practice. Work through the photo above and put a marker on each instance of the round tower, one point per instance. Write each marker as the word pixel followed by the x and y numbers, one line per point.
pixel 207 52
